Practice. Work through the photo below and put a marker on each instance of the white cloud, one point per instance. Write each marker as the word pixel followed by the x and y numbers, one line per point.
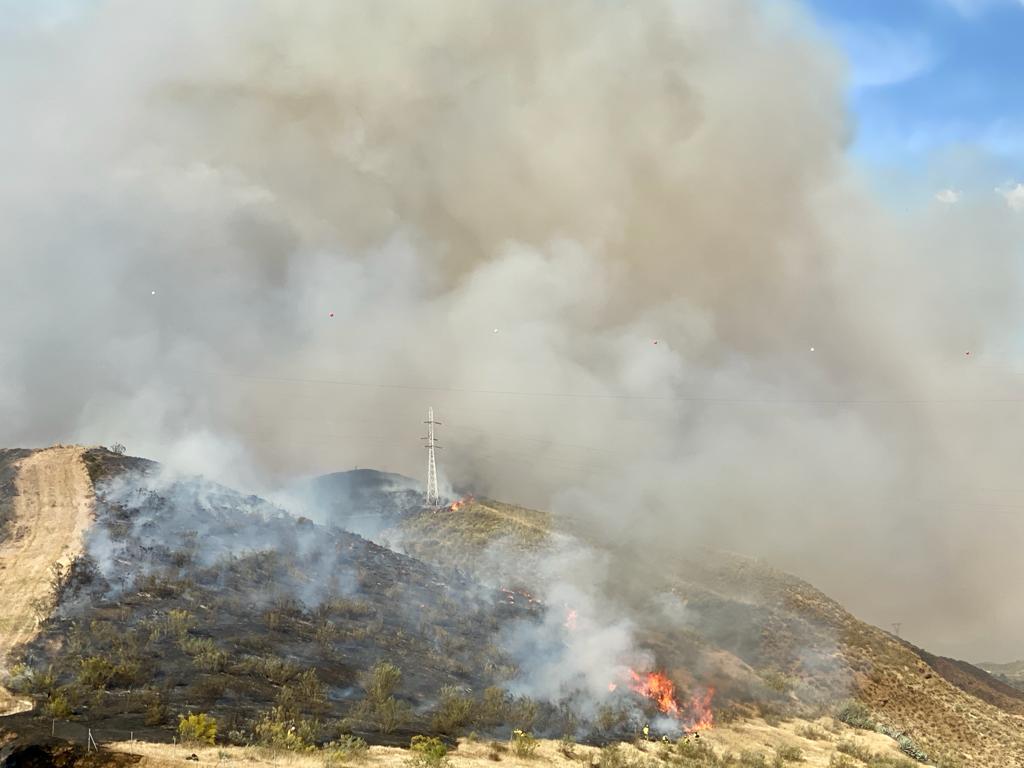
pixel 949 196
pixel 1014 195
pixel 880 56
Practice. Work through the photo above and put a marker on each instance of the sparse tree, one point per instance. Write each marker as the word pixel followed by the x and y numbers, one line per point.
pixel 380 707
pixel 197 729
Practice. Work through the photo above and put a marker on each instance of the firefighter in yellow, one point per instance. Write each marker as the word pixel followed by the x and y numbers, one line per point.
pixel 646 732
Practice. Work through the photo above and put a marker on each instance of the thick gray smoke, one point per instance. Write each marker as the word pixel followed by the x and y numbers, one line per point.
pixel 600 239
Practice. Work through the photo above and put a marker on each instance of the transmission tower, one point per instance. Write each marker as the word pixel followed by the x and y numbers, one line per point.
pixel 433 500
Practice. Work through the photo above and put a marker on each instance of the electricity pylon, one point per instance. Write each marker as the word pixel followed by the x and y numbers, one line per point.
pixel 433 499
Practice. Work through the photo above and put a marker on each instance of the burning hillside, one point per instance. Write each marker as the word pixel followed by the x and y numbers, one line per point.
pixel 189 595
pixel 696 715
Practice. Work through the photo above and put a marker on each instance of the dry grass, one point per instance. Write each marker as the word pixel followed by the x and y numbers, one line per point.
pixel 754 736
pixel 759 736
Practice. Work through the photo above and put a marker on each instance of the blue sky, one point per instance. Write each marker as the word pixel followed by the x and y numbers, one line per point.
pixel 937 86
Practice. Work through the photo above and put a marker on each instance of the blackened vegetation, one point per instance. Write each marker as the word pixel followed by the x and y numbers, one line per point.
pixel 193 598
pixel 102 465
pixel 9 457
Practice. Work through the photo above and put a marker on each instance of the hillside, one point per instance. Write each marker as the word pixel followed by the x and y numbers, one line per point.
pixel 188 596
pixel 1012 673
pixel 9 459
pixel 755 630
pixel 50 507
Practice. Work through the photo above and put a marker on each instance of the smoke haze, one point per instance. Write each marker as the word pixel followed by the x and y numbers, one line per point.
pixel 601 240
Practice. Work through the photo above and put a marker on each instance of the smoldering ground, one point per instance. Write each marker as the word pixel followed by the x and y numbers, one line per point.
pixel 504 206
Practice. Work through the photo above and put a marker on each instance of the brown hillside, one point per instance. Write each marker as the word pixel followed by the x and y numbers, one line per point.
pixel 51 509
pixel 770 622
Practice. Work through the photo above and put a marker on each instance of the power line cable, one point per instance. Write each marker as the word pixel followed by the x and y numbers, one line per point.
pixel 613 396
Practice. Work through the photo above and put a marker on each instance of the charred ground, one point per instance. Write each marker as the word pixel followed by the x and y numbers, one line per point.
pixel 771 644
pixel 9 458
pixel 192 597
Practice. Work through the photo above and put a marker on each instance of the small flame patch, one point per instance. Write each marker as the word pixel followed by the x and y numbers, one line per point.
pixel 460 503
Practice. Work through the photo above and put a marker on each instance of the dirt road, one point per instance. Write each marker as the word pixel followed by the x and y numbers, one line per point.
pixel 52 510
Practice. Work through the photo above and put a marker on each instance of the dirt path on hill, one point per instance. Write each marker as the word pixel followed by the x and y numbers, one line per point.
pixel 52 510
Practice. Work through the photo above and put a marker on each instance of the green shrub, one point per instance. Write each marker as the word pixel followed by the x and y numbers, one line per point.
pixel 304 693
pixel 179 622
pixel 57 706
pixel 789 753
pixel 776 681
pixel 279 729
pixel 344 749
pixel 453 712
pixel 493 708
pixel 854 750
pixel 523 744
pixel 269 668
pixel 910 748
pixel 390 714
pixel 206 656
pixel 522 713
pixel 812 732
pixel 95 672
pixel 428 752
pixel 906 744
pixel 380 708
pixel 381 681
pixel 156 713
pixel 197 729
pixel 857 715
pixel 750 759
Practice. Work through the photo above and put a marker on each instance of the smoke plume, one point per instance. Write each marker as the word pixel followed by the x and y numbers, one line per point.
pixel 619 248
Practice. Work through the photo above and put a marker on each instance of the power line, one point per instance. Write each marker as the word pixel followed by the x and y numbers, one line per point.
pixel 612 396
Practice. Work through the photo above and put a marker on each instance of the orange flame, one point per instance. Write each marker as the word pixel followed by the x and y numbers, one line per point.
pixel 660 689
pixel 458 504
pixel 701 716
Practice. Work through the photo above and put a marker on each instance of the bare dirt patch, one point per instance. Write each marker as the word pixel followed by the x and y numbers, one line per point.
pixel 52 509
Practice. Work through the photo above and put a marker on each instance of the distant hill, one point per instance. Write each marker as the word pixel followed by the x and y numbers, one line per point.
pixel 1011 673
